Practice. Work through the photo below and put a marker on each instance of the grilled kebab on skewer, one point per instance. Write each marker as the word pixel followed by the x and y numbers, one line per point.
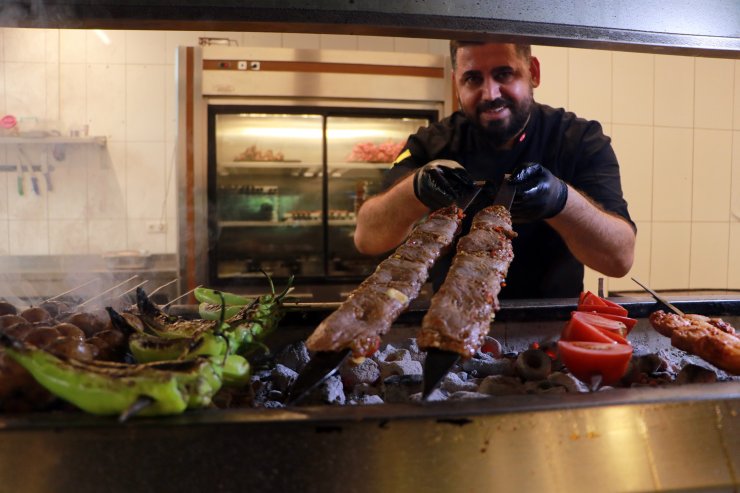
pixel 461 311
pixel 368 312
pixel 712 339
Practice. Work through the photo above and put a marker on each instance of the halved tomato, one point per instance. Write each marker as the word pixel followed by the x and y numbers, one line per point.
pixel 587 359
pixel 589 302
pixel 614 329
pixel 628 322
pixel 578 329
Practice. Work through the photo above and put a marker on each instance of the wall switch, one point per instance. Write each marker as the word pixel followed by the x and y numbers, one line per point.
pixel 155 227
pixel 241 65
pixel 254 65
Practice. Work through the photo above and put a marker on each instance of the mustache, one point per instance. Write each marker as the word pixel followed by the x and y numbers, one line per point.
pixel 492 105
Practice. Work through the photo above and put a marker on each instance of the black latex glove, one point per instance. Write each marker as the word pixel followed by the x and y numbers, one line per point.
pixel 539 193
pixel 439 183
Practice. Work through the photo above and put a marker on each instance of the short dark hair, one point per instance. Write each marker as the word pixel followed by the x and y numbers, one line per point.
pixel 524 50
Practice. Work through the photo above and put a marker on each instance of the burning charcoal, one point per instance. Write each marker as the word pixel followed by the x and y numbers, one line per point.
pixel 366 372
pixel 261 390
pixel 533 364
pixel 295 356
pixel 272 404
pixel 363 389
pixel 398 388
pixel 329 392
pixel 283 377
pixel 488 365
pixel 463 395
pixel 692 373
pixel 400 367
pixel 543 387
pixel 567 381
pixel 436 395
pixel 501 385
pixel 383 353
pixel 398 355
pixel 453 383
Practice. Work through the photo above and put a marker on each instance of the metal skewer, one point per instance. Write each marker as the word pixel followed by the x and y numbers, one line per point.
pixel 659 298
pixel 109 290
pixel 163 286
pixel 182 296
pixel 70 290
pixel 137 286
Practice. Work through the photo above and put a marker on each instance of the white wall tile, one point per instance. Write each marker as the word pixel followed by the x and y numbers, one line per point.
pixel 439 46
pixel 591 280
pixel 140 239
pixel 146 47
pixel 733 269
pixel 714 90
pixel 25 89
pixel 68 237
pixel 633 80
pixel 28 237
pixel 3 93
pixel 337 42
pixel 634 147
pixel 672 174
pixel 735 191
pixel 106 100
pixel 553 90
pixel 68 197
pixel 145 165
pixel 709 255
pixel 590 79
pixel 29 206
pixel 301 41
pixel 106 235
pixel 4 237
pixel 374 43
pixel 72 97
pixel 99 52
pixel 52 48
pixel 410 45
pixel 174 39
pixel 107 172
pixel 674 91
pixel 72 46
pixel 712 178
pixel 170 104
pixel 7 185
pixel 267 40
pixel 25 45
pixel 145 102
pixel 53 93
pixel 2 43
pixel 736 98
pixel 641 265
pixel 670 255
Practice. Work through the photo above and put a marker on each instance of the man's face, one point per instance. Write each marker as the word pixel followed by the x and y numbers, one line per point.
pixel 494 84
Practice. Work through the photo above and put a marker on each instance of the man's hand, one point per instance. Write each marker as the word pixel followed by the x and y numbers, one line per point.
pixel 539 193
pixel 439 183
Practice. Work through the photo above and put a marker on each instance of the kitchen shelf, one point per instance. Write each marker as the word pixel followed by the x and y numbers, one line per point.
pixel 98 140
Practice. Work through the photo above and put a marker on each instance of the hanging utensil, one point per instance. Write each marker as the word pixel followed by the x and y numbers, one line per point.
pixel 659 298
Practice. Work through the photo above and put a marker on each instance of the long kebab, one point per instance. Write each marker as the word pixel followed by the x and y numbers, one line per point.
pixel 368 312
pixel 712 339
pixel 461 311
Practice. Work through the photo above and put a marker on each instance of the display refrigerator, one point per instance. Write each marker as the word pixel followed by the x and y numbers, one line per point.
pixel 285 184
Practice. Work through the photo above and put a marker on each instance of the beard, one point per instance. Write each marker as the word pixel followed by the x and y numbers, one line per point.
pixel 502 131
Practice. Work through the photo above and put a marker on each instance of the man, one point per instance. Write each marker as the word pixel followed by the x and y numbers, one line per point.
pixel 568 210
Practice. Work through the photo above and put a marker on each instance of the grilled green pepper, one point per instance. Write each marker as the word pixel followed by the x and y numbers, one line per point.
pixel 146 348
pixel 108 388
pixel 208 311
pixel 216 297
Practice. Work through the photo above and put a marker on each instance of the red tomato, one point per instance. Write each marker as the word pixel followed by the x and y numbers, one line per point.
pixel 589 302
pixel 578 329
pixel 587 359
pixel 627 321
pixel 614 329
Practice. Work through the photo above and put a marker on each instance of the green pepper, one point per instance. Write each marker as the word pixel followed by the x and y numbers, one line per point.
pixel 216 297
pixel 208 311
pixel 108 388
pixel 147 348
pixel 236 371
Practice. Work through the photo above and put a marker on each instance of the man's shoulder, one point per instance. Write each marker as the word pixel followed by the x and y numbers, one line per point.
pixel 562 121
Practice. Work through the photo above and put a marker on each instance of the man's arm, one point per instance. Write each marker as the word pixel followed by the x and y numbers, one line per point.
pixel 385 220
pixel 600 240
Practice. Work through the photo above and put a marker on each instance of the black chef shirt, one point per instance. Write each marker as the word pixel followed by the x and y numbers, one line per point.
pixel 573 149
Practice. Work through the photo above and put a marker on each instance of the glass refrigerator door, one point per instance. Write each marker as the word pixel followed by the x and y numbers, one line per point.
pixel 359 150
pixel 268 191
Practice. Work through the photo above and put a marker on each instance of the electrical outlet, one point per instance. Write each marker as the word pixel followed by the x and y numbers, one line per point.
pixel 241 65
pixel 155 227
pixel 254 65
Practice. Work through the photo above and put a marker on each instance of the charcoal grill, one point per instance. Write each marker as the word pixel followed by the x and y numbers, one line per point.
pixel 640 439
